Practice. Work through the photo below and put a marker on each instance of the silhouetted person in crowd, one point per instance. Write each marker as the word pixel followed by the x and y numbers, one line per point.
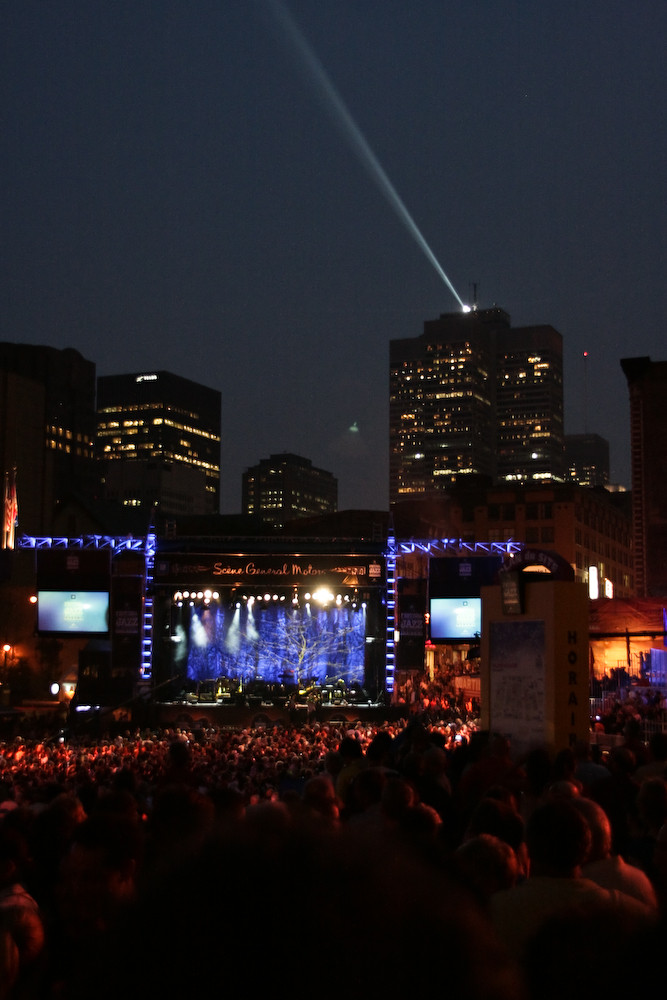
pixel 604 867
pixel 618 797
pixel 499 819
pixel 22 932
pixel 353 761
pixel 486 864
pixel 656 765
pixel 651 815
pixel 558 839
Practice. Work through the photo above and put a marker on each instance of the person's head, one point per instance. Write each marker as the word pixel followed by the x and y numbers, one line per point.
pixel 652 803
pixel 486 864
pixel 350 749
pixel 599 826
pixel 558 839
pixel 320 797
pixel 380 749
pixel 498 818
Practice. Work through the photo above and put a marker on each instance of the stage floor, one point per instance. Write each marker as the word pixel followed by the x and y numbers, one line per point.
pixel 198 715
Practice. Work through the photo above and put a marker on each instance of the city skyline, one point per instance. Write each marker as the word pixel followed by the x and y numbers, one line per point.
pixel 179 197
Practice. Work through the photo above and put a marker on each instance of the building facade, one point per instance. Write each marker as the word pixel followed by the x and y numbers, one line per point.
pixel 529 402
pixel 158 442
pixel 472 396
pixel 286 487
pixel 442 413
pixel 585 527
pixel 47 429
pixel 591 529
pixel 647 385
pixel 587 459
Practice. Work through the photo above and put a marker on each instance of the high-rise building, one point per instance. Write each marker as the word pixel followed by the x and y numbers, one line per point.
pixel 587 459
pixel 158 438
pixel 471 395
pixel 442 412
pixel 47 429
pixel 529 402
pixel 285 487
pixel 647 384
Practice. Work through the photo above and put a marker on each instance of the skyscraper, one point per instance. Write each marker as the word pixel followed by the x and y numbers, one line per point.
pixel 473 396
pixel 647 384
pixel 285 487
pixel 587 459
pixel 47 429
pixel 442 412
pixel 158 438
pixel 529 400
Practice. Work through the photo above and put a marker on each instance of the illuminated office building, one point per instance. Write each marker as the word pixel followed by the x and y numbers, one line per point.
pixel 472 396
pixel 647 384
pixel 529 402
pixel 47 429
pixel 286 487
pixel 158 438
pixel 587 459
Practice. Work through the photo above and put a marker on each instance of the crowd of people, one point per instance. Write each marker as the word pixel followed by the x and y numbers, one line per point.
pixel 392 857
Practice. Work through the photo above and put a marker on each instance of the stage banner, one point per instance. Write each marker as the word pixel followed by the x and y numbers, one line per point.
pixel 182 569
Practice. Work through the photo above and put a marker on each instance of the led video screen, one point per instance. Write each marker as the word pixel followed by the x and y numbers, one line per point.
pixel 275 643
pixel 74 612
pixel 456 618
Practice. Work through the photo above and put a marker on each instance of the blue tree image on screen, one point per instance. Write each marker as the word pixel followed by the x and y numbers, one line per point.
pixel 456 617
pixel 275 643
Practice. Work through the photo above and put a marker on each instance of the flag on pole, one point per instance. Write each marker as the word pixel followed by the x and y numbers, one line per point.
pixel 11 510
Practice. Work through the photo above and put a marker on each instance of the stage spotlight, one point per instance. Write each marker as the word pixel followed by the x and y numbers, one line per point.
pixel 323 596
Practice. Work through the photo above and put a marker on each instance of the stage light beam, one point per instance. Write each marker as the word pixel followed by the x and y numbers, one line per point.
pixel 355 136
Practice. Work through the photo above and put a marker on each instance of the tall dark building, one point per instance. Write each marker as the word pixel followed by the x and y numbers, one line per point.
pixel 587 459
pixel 647 384
pixel 47 429
pixel 471 395
pixel 529 401
pixel 285 487
pixel 158 438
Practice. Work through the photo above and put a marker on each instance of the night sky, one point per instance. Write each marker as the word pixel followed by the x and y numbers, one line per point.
pixel 178 192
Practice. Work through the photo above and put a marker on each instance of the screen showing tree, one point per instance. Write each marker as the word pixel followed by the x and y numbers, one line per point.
pixel 274 643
